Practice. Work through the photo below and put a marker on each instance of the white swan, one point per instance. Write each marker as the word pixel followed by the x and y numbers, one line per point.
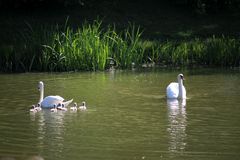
pixel 176 90
pixel 83 106
pixel 74 108
pixel 49 101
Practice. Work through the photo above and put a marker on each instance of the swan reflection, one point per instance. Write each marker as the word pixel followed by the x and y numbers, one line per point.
pixel 177 124
pixel 50 129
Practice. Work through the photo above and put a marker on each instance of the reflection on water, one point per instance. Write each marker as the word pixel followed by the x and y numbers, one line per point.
pixel 112 74
pixel 128 117
pixel 177 118
pixel 50 129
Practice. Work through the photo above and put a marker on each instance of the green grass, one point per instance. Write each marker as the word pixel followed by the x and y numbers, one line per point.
pixel 90 47
pixel 213 51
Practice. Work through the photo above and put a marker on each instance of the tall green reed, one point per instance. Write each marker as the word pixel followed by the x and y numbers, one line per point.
pixel 221 51
pixel 83 49
pixel 22 54
pixel 90 47
pixel 126 47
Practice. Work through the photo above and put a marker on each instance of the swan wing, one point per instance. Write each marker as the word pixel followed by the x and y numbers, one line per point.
pixel 49 101
pixel 172 90
pixel 67 102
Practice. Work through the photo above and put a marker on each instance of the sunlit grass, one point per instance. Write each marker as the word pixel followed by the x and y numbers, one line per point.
pixel 89 47
pixel 221 51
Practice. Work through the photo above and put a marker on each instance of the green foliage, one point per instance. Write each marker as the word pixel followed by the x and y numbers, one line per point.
pixel 222 51
pixel 126 46
pixel 25 50
pixel 91 46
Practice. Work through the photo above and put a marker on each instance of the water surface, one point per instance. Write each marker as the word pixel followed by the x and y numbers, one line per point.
pixel 128 116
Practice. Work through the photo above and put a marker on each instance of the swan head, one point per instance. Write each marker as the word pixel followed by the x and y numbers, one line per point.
pixel 180 77
pixel 40 86
pixel 83 103
pixel 75 104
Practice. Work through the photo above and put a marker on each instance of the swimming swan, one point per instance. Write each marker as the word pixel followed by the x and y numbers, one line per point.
pixel 49 101
pixel 83 106
pixel 74 108
pixel 176 90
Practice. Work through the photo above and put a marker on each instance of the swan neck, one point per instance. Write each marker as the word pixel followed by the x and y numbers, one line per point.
pixel 180 85
pixel 41 95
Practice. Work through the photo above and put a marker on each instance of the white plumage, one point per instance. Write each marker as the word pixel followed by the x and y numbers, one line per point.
pixel 176 90
pixel 49 101
pixel 74 108
pixel 83 106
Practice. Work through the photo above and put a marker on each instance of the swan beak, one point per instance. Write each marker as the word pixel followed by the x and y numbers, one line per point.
pixel 182 78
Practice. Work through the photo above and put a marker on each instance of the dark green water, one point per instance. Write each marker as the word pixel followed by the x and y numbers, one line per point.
pixel 128 116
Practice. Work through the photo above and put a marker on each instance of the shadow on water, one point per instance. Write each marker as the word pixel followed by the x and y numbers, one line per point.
pixel 177 118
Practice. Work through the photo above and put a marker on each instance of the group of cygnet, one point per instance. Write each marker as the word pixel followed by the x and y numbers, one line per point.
pixel 36 108
pixel 60 107
pixel 81 108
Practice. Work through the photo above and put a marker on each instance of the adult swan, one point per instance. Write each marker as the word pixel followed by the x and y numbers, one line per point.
pixel 177 90
pixel 50 101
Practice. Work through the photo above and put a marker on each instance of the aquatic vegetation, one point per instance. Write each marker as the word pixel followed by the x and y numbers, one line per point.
pixel 213 51
pixel 25 50
pixel 91 46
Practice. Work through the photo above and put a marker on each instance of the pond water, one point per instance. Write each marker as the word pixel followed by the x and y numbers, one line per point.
pixel 127 116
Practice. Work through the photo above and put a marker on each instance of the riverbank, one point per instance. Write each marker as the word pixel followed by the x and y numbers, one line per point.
pixel 162 35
